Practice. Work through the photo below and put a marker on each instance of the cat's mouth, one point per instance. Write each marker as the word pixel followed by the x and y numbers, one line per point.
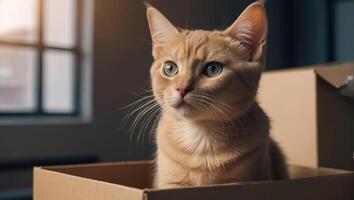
pixel 181 103
pixel 185 106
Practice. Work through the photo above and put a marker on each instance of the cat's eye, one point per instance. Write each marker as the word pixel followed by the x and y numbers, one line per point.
pixel 170 69
pixel 213 69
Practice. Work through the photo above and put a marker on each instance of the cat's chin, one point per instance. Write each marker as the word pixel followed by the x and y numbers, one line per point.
pixel 185 110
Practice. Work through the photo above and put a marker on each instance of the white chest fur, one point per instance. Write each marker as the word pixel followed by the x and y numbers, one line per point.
pixel 195 138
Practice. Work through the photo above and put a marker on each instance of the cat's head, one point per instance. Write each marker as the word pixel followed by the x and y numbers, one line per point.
pixel 203 74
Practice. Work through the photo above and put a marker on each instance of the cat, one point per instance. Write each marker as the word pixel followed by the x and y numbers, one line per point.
pixel 211 129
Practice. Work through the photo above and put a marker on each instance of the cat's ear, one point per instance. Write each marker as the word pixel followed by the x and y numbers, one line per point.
pixel 250 28
pixel 161 29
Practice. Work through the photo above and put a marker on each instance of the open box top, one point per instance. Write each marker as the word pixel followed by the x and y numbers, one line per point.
pixel 335 74
pixel 132 180
pixel 312 113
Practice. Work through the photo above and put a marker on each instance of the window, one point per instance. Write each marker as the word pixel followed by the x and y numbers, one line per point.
pixel 341 30
pixel 40 57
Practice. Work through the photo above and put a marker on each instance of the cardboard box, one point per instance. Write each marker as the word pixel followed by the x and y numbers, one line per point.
pixel 132 180
pixel 311 119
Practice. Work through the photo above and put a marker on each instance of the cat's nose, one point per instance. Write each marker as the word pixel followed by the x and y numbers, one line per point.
pixel 183 90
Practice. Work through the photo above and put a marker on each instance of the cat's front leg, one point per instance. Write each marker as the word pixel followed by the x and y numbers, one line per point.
pixel 164 182
pixel 169 174
pixel 168 185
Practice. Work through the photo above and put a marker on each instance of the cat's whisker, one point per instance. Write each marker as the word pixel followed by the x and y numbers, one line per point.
pixel 136 110
pixel 215 106
pixel 235 109
pixel 135 123
pixel 131 132
pixel 153 115
pixel 145 123
pixel 137 101
pixel 141 114
pixel 226 110
pixel 215 110
pixel 142 104
pixel 154 125
pixel 144 115
pixel 135 107
pixel 143 110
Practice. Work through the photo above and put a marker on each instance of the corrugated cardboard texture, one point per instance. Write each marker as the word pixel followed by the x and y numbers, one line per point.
pixel 288 97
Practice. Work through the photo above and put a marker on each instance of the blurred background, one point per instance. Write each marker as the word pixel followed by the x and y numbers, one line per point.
pixel 67 67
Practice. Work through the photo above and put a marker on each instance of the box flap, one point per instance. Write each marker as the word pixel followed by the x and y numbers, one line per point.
pixel 335 74
pixel 54 185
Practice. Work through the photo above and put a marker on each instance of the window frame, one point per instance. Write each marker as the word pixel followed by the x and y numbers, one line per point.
pixel 40 47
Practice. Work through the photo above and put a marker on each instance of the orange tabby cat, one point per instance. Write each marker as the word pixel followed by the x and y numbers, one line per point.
pixel 211 128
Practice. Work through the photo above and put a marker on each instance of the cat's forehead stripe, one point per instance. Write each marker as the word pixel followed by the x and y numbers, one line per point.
pixel 201 45
pixel 194 45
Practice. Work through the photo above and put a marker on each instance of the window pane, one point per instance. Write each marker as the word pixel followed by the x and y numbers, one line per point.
pixel 344 31
pixel 58 81
pixel 18 20
pixel 17 79
pixel 59 23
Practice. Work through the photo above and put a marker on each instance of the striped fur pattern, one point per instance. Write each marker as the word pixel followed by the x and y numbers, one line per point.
pixel 217 132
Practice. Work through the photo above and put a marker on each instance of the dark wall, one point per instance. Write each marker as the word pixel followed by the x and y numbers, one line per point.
pixel 307 35
pixel 121 63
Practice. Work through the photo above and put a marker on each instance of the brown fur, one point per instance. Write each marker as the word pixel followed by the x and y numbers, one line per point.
pixel 220 134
